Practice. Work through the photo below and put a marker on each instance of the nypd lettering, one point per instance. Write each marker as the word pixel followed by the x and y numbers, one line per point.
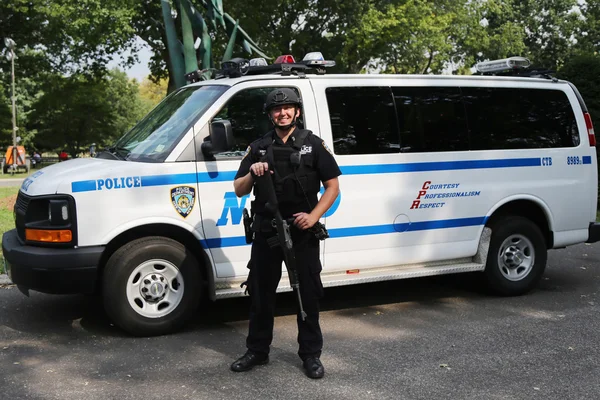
pixel 123 182
pixel 183 199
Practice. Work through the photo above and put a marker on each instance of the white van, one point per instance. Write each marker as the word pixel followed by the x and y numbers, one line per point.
pixel 440 174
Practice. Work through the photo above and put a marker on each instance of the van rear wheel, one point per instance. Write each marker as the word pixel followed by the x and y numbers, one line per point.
pixel 516 258
pixel 151 286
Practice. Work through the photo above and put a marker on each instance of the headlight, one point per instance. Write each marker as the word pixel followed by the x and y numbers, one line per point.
pixel 58 212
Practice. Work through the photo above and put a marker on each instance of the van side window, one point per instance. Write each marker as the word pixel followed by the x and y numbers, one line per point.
pixel 363 120
pixel 248 119
pixel 431 119
pixel 506 118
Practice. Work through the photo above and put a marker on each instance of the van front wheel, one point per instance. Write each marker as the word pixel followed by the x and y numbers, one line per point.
pixel 516 258
pixel 151 286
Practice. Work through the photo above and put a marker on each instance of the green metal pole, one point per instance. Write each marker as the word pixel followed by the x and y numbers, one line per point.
pixel 189 53
pixel 173 46
pixel 229 49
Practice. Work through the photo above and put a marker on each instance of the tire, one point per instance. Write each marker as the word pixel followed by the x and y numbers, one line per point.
pixel 151 286
pixel 516 258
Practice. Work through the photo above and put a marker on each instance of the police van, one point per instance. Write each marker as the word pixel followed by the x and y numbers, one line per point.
pixel 440 175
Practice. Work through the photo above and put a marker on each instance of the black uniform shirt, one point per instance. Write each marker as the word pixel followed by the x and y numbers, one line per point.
pixel 326 165
pixel 324 162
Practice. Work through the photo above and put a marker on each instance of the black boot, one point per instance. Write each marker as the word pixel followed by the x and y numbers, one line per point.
pixel 248 361
pixel 314 368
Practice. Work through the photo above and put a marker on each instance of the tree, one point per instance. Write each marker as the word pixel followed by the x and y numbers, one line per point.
pixel 584 73
pixel 588 38
pixel 544 28
pixel 403 37
pixel 76 111
pixel 153 92
pixel 5 119
pixel 298 27
pixel 76 36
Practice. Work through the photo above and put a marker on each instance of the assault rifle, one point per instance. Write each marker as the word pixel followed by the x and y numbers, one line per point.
pixel 283 237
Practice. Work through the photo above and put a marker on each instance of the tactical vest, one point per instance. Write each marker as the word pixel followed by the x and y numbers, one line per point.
pixel 295 175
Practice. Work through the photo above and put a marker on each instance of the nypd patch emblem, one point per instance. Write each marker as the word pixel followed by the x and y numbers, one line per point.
pixel 327 148
pixel 183 199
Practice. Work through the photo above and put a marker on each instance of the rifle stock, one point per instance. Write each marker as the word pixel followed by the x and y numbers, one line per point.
pixel 284 237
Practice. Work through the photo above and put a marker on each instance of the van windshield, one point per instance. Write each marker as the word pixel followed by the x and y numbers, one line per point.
pixel 157 134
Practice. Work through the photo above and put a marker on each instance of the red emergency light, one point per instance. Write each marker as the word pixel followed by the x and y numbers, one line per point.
pixel 285 59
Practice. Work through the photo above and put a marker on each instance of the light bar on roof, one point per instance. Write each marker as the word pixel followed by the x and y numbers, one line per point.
pixel 258 62
pixel 285 59
pixel 316 59
pixel 503 64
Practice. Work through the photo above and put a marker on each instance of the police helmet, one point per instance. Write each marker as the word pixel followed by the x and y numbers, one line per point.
pixel 279 97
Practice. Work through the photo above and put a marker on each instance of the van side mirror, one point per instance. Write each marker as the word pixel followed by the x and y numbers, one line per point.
pixel 219 140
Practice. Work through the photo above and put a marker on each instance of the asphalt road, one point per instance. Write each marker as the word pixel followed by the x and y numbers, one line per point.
pixel 414 339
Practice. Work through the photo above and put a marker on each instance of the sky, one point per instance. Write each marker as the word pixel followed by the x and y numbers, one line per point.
pixel 140 70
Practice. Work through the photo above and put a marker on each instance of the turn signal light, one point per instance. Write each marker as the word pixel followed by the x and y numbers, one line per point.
pixel 49 236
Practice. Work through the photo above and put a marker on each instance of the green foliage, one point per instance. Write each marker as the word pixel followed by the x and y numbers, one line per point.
pixel 588 38
pixel 152 93
pixel 406 37
pixel 541 29
pixel 584 73
pixel 7 221
pixel 5 117
pixel 301 26
pixel 77 111
pixel 76 36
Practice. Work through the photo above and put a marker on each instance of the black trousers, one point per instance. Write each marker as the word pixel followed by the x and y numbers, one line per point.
pixel 265 274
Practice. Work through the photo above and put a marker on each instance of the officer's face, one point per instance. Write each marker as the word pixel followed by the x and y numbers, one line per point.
pixel 284 115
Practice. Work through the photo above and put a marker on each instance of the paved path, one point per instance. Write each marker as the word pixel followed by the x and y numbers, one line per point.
pixel 434 338
pixel 8 182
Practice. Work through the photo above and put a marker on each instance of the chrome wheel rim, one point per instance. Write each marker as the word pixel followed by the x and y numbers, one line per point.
pixel 155 288
pixel 516 257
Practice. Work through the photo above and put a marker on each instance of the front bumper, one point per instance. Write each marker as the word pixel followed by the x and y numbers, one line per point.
pixel 51 270
pixel 594 232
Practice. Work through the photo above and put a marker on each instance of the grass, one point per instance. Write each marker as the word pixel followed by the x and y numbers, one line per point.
pixel 8 196
pixel 18 175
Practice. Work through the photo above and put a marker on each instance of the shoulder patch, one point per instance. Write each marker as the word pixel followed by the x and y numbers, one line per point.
pixel 248 150
pixel 326 148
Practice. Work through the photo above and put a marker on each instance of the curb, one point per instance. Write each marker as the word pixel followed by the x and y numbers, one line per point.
pixel 4 280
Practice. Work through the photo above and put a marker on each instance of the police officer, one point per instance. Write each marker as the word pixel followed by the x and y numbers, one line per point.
pixel 298 162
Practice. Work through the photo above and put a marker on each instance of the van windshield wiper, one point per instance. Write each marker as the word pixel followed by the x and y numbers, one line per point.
pixel 120 153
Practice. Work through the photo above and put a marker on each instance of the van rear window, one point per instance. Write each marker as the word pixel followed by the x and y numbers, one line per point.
pixel 507 118
pixel 437 119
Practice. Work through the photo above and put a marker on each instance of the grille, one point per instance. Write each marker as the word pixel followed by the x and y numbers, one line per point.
pixel 22 203
pixel 21 206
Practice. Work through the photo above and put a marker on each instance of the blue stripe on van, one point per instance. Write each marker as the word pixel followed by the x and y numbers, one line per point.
pixel 587 159
pixel 83 186
pixel 406 227
pixel 440 166
pixel 171 179
pixel 227 176
pixel 365 230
